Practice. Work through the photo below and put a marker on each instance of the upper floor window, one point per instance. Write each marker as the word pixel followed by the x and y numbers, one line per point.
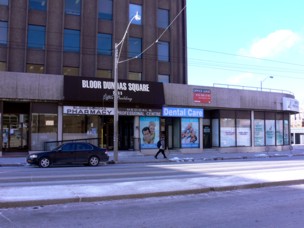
pixel 34 68
pixel 105 9
pixel 163 51
pixel 36 36
pixel 104 44
pixel 71 42
pixel 38 5
pixel 135 47
pixel 4 2
pixel 73 7
pixel 71 71
pixel 3 32
pixel 133 10
pixel 134 76
pixel 2 66
pixel 162 18
pixel 164 78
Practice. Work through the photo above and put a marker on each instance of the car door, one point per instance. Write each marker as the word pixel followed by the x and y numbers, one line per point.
pixel 66 154
pixel 82 152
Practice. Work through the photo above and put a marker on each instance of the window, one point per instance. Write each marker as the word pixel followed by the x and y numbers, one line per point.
pixel 162 18
pixel 34 68
pixel 4 2
pixel 134 48
pixel 104 74
pixel 243 132
pixel 2 66
pixel 36 36
pixel 134 76
pixel 104 44
pixel 227 134
pixel 38 5
pixel 71 71
pixel 105 9
pixel 163 51
pixel 259 132
pixel 133 9
pixel 163 78
pixel 3 33
pixel 73 7
pixel 71 40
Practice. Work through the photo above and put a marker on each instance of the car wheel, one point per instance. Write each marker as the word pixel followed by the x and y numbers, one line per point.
pixel 44 162
pixel 93 161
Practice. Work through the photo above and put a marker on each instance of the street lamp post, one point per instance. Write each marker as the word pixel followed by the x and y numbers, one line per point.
pixel 264 80
pixel 115 93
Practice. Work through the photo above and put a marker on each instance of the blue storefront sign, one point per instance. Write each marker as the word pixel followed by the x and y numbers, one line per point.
pixel 182 112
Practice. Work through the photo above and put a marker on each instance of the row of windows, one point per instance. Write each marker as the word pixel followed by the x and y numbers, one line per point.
pixel 105 10
pixel 74 71
pixel 71 42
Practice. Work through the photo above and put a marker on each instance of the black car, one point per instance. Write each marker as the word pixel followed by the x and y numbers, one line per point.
pixel 68 153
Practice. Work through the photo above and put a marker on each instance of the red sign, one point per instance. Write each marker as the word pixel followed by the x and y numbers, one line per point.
pixel 202 96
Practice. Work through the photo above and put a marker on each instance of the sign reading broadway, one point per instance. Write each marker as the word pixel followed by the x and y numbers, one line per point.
pixel 95 89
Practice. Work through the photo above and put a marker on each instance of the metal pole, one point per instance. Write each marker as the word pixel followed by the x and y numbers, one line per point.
pixel 115 94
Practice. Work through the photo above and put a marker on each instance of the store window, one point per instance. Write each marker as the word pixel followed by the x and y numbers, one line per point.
pixel 164 78
pixel 44 128
pixel 3 32
pixel 134 76
pixel 149 132
pixel 80 127
pixel 104 74
pixel 162 18
pixel 286 132
pixel 4 2
pixel 270 132
pixel 163 51
pixel 73 7
pixel 215 133
pixel 40 5
pixel 104 44
pixel 36 37
pixel 71 40
pixel 259 132
pixel 243 132
pixel 105 9
pixel 35 68
pixel 190 132
pixel 227 137
pixel 71 71
pixel 135 48
pixel 133 10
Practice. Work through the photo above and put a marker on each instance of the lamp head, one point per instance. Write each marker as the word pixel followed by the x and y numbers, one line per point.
pixel 137 17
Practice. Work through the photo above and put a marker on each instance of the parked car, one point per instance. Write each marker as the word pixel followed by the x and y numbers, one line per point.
pixel 70 153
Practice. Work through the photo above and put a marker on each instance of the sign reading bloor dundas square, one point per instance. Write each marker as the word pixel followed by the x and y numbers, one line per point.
pixel 101 90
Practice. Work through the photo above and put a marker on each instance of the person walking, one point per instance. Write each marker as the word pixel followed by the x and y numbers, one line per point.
pixel 161 144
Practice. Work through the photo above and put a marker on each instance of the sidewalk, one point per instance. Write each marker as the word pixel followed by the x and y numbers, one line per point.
pixel 72 193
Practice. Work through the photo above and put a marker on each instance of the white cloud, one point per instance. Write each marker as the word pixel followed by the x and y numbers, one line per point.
pixel 273 44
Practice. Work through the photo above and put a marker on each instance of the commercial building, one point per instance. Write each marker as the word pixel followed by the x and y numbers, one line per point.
pixel 56 71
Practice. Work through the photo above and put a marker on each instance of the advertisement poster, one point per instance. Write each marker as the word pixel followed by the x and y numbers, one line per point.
pixel 259 133
pixel 279 132
pixel 286 132
pixel 190 133
pixel 149 132
pixel 270 132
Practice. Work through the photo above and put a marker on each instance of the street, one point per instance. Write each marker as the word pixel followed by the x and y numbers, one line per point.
pixel 263 207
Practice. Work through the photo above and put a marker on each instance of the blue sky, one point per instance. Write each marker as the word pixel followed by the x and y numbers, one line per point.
pixel 242 43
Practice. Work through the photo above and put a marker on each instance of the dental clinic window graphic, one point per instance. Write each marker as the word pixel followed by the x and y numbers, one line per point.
pixel 183 112
pixel 190 133
pixel 149 132
pixel 202 96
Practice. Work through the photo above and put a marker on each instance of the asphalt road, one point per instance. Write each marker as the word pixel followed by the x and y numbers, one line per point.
pixel 264 207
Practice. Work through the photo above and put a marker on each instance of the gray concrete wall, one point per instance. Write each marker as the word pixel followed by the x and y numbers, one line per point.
pixel 27 86
pixel 221 98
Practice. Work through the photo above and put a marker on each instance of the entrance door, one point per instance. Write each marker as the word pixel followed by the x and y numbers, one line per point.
pixel 126 133
pixel 15 132
pixel 207 137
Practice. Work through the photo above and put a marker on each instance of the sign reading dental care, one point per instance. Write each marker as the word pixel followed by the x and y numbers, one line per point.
pixel 183 112
pixel 290 104
pixel 102 90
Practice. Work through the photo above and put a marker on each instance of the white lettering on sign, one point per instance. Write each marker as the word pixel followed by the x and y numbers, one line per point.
pixel 138 87
pixel 91 84
pixel 183 112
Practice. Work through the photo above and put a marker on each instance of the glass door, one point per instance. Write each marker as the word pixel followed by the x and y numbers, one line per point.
pixel 15 132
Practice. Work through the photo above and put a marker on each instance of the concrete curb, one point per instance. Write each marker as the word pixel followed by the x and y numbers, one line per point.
pixel 79 199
